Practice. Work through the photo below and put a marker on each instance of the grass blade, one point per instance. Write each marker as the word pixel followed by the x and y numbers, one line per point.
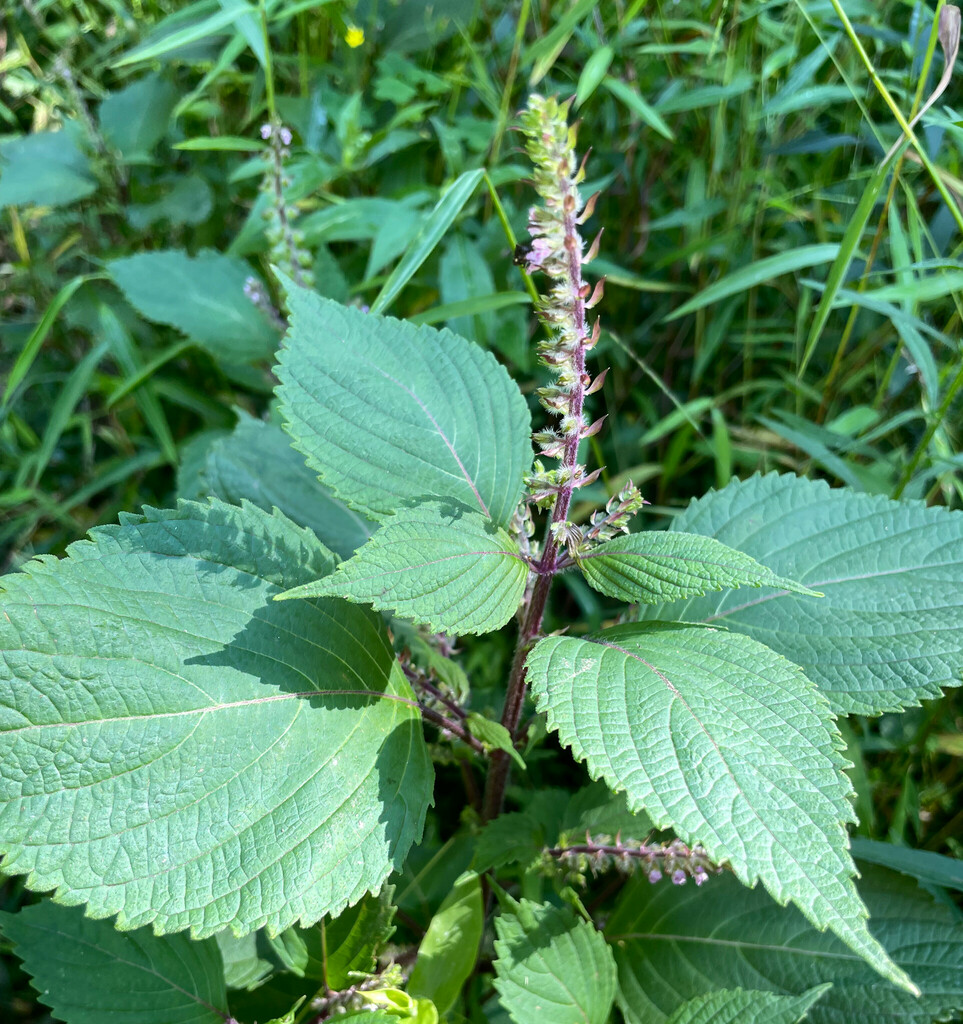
pixel 433 230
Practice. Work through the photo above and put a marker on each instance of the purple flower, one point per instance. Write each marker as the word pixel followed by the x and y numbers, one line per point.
pixel 655 875
pixel 265 131
pixel 700 875
pixel 286 136
pixel 678 877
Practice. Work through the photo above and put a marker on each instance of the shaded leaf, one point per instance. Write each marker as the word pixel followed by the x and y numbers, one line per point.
pixel 90 973
pixel 739 1006
pixel 257 462
pixel 675 942
pixel 551 967
pixel 202 296
pixel 45 169
pixel 135 119
pixel 170 764
pixel 333 949
pixel 447 953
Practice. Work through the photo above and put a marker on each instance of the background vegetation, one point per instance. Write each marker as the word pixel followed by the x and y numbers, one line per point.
pixel 770 303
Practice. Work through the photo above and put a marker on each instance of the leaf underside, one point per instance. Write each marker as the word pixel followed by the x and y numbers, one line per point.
pixel 653 567
pixel 90 973
pixel 889 631
pixel 440 564
pixel 388 413
pixel 189 752
pixel 673 943
pixel 257 462
pixel 551 967
pixel 724 741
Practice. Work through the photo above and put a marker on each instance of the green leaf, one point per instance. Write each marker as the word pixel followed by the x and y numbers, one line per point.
pixel 257 462
pixel 355 938
pixel 847 250
pixel 334 949
pixel 90 973
pixel 389 413
pixel 653 567
pixel 187 200
pixel 646 113
pixel 243 967
pixel 203 296
pixel 432 231
pixel 135 119
pixel 31 349
pixel 165 713
pixel 221 143
pixel 441 564
pixel 928 868
pixel 493 735
pixel 889 631
pixel 162 41
pixel 676 942
pixel 724 741
pixel 447 954
pixel 509 838
pixel 740 1006
pixel 551 967
pixel 45 169
pixel 757 273
pixel 593 72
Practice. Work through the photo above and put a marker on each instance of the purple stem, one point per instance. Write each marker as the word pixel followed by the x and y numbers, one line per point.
pixel 548 565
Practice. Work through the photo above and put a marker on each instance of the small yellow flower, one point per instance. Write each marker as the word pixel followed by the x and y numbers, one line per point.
pixel 354 37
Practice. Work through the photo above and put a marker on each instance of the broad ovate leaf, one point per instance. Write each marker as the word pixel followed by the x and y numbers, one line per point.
pixel 551 967
pixel 87 972
pixel 674 943
pixel 187 752
pixel 256 462
pixel 441 564
pixel 388 413
pixel 201 295
pixel 724 741
pixel 46 168
pixel 742 1006
pixel 889 631
pixel 658 566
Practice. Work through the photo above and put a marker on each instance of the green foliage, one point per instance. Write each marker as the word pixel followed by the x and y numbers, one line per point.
pixel 891 573
pixel 176 981
pixel 180 749
pixel 442 564
pixel 447 954
pixel 256 463
pixel 656 567
pixel 447 420
pixel 47 168
pixel 708 732
pixel 674 943
pixel 737 1006
pixel 552 967
pixel 194 715
pixel 201 296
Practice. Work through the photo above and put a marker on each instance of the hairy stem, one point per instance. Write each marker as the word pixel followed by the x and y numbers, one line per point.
pixel 547 566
